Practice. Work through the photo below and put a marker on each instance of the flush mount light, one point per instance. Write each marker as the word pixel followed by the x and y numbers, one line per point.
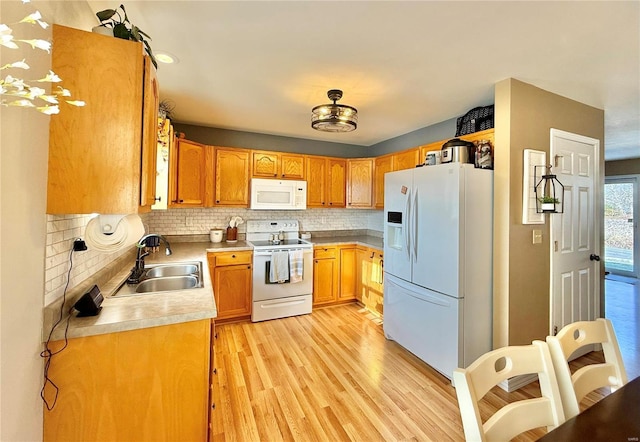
pixel 334 117
pixel 165 57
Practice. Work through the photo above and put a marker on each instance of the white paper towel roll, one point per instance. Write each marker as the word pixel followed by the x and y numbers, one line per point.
pixel 128 230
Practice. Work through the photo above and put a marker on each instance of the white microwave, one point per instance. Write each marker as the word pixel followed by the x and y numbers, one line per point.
pixel 269 194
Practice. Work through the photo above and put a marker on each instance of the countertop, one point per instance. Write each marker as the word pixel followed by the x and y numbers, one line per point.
pixel 151 310
pixel 123 313
pixel 362 240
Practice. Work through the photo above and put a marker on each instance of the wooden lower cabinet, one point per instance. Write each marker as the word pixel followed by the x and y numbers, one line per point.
pixel 334 276
pixel 369 279
pixel 325 275
pixel 146 384
pixel 347 273
pixel 231 276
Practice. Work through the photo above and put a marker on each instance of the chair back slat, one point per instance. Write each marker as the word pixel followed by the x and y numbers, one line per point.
pixel 496 366
pixel 572 337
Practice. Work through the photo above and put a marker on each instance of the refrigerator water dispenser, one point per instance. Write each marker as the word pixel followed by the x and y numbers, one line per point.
pixel 394 230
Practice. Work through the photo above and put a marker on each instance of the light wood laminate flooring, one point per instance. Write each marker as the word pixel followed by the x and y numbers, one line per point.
pixel 332 376
pixel 622 307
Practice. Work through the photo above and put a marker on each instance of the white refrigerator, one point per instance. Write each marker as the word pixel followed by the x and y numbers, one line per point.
pixel 438 241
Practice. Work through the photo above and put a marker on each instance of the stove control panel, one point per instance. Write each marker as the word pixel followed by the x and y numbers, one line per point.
pixel 272 226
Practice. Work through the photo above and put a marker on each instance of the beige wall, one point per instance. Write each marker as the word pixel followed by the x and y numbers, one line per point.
pixel 23 189
pixel 524 116
pixel 622 167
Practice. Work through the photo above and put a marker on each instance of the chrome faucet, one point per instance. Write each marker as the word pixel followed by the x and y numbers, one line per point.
pixel 138 269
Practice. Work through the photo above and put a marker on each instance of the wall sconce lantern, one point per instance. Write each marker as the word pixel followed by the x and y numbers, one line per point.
pixel 548 191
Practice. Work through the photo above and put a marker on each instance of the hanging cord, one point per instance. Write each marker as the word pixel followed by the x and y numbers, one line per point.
pixel 47 354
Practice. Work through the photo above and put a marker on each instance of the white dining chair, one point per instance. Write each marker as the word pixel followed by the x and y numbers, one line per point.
pixel 574 387
pixel 496 366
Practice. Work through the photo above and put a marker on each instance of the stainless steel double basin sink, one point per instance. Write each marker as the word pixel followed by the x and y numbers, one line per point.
pixel 165 278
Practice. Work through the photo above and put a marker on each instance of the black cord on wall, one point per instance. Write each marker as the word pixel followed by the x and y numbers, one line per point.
pixel 47 353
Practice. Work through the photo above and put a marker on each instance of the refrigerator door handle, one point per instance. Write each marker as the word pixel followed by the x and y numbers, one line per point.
pixel 415 225
pixel 406 223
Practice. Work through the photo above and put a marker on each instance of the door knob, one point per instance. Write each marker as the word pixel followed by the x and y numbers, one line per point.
pixel 594 257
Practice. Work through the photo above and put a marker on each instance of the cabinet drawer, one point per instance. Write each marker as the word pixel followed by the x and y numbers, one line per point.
pixel 232 258
pixel 324 252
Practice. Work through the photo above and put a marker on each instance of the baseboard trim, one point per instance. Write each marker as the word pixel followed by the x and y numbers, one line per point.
pixel 517 382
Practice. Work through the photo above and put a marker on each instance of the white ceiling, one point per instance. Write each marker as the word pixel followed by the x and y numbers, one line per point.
pixel 260 66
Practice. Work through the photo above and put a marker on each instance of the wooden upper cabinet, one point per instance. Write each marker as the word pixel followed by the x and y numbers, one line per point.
pixel 360 183
pixel 336 182
pixel 232 172
pixel 95 151
pixel 265 164
pixel 407 159
pixel 292 166
pixel 187 186
pixel 149 135
pixel 382 166
pixel 316 173
pixel 277 165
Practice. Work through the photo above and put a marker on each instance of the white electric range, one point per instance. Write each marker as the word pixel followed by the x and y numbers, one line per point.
pixel 278 299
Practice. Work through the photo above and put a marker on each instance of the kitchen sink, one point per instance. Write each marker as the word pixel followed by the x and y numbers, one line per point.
pixel 167 283
pixel 173 270
pixel 164 278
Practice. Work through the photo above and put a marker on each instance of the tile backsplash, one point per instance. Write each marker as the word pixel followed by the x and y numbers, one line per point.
pixel 200 221
pixel 63 229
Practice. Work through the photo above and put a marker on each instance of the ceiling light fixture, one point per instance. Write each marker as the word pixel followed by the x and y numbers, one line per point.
pixel 334 117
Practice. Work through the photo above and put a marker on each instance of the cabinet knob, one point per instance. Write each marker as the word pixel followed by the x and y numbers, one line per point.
pixel 283 175
pixel 213 406
pixel 323 203
pixel 215 371
pixel 181 201
pixel 372 255
pixel 158 198
pixel 233 256
pixel 330 204
pixel 275 174
pixel 217 201
pixel 249 267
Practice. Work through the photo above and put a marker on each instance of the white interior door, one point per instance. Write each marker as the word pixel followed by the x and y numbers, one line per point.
pixel 575 234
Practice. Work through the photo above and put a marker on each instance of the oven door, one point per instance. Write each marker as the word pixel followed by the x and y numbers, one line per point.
pixel 263 289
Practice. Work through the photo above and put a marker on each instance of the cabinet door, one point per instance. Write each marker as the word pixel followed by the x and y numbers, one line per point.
pixel 407 159
pixel 232 177
pixel 190 174
pixel 360 183
pixel 347 273
pixel 161 371
pixel 361 283
pixel 265 164
pixel 292 166
pixel 94 151
pixel 336 182
pixel 316 172
pixel 325 280
pixel 232 290
pixel 149 135
pixel 382 166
